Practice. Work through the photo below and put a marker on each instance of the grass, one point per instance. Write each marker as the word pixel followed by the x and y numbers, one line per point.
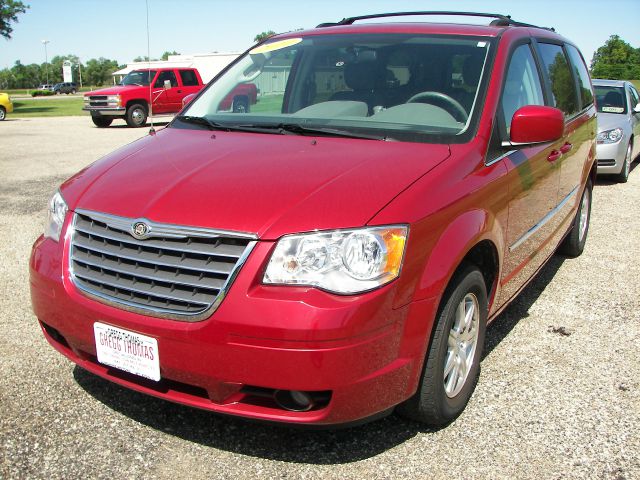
pixel 49 107
pixel 636 83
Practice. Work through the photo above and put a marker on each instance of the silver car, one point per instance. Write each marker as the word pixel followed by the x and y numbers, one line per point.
pixel 618 126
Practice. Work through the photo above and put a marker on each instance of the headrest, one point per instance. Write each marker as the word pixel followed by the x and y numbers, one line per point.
pixel 613 99
pixel 472 69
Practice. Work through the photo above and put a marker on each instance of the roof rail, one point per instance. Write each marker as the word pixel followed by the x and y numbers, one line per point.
pixel 499 19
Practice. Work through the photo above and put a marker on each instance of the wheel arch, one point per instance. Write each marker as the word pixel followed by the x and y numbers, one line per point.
pixel 140 101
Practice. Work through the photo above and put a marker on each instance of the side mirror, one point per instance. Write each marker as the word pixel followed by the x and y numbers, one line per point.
pixel 536 124
pixel 188 99
pixel 167 84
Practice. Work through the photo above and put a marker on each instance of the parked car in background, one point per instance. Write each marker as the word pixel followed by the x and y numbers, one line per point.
pixel 160 88
pixel 618 127
pixel 6 105
pixel 67 87
pixel 339 251
pixel 46 86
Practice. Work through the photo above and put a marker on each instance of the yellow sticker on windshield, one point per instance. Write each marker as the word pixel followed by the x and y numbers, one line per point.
pixel 270 47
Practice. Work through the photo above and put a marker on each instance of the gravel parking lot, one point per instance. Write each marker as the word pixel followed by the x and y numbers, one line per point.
pixel 558 395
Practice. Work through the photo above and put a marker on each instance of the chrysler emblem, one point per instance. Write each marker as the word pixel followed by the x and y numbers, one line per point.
pixel 139 230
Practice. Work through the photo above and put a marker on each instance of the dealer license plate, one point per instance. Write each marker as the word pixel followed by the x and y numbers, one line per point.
pixel 128 351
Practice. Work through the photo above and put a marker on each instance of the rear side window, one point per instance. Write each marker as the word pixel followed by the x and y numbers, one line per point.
pixel 586 95
pixel 189 78
pixel 635 99
pixel 523 86
pixel 559 73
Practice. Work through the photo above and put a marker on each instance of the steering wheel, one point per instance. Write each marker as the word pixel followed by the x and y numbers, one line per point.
pixel 440 99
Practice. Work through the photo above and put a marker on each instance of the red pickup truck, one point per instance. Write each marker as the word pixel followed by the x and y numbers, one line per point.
pixel 164 88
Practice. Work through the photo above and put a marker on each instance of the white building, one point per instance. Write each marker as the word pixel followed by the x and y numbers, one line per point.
pixel 208 64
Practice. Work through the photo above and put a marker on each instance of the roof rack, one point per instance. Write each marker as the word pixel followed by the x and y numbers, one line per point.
pixel 499 19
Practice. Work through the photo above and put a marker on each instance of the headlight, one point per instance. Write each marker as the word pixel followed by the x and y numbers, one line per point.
pixel 55 217
pixel 114 100
pixel 610 136
pixel 340 261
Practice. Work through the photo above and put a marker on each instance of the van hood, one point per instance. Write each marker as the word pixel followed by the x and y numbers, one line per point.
pixel 269 185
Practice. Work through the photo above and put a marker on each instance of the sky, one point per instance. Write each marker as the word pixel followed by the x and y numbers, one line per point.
pixel 116 29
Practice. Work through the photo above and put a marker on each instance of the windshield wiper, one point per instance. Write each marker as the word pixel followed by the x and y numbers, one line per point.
pixel 280 129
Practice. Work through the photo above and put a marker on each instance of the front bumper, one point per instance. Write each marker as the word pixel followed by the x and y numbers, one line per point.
pixel 363 353
pixel 106 111
pixel 610 156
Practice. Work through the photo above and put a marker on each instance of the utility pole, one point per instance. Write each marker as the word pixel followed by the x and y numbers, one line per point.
pixel 46 59
pixel 80 72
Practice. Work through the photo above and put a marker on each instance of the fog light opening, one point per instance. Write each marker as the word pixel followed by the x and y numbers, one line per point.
pixel 293 400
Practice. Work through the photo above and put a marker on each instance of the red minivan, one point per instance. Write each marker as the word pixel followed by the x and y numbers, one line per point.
pixel 338 250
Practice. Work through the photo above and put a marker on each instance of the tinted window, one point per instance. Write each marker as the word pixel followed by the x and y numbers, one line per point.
pixel 522 86
pixel 610 99
pixel 167 75
pixel 139 77
pixel 562 85
pixel 586 95
pixel 189 78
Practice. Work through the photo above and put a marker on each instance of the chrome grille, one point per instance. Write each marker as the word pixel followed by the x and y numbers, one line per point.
pixel 177 272
pixel 98 100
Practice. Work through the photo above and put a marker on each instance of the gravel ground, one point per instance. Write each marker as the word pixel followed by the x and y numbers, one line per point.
pixel 558 394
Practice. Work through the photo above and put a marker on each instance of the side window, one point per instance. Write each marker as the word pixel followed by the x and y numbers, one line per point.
pixel 188 78
pixel 522 86
pixel 559 73
pixel 586 94
pixel 166 75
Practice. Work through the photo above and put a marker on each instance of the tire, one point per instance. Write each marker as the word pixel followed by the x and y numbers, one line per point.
pixel 441 398
pixel 100 121
pixel 623 176
pixel 136 115
pixel 3 113
pixel 73 92
pixel 574 242
pixel 240 105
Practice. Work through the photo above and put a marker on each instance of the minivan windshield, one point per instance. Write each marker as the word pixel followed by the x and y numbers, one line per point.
pixel 139 77
pixel 610 99
pixel 406 87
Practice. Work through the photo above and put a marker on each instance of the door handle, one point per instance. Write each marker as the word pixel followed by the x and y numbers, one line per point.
pixel 554 156
pixel 566 147
pixel 179 91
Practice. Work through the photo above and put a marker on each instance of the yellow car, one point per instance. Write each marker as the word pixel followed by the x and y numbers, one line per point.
pixel 5 105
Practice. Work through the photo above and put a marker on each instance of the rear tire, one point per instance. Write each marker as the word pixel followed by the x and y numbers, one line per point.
pixel 456 348
pixel 3 113
pixel 136 115
pixel 623 176
pixel 100 121
pixel 574 242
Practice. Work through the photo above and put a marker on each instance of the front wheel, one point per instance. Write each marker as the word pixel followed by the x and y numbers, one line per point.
pixel 574 242
pixel 623 176
pixel 452 365
pixel 136 115
pixel 100 121
pixel 3 113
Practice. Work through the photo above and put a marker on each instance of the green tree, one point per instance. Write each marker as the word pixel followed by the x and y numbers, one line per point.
pixel 616 60
pixel 165 55
pixel 263 36
pixel 9 11
pixel 98 71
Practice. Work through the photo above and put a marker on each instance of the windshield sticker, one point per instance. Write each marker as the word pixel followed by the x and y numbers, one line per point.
pixel 482 44
pixel 270 47
pixel 613 109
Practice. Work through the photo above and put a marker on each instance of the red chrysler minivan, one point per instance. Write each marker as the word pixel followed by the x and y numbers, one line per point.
pixel 337 251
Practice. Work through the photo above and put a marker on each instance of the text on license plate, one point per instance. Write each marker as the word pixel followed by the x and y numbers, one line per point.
pixel 128 351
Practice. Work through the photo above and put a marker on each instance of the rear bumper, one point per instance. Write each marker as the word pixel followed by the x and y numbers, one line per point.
pixel 364 354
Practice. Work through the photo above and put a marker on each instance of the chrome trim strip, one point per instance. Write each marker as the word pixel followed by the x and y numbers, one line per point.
pixel 504 155
pixel 162 229
pixel 544 220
